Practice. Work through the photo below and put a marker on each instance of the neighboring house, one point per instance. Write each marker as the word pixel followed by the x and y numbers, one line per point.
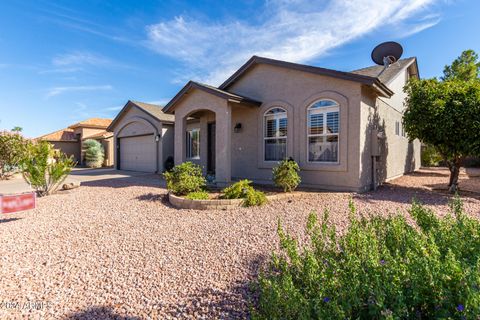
pixel 70 140
pixel 343 128
pixel 143 137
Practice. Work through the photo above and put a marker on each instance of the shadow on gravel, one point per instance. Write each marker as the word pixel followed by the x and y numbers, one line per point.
pixel 142 181
pixel 151 197
pixel 9 220
pixel 98 312
pixel 234 302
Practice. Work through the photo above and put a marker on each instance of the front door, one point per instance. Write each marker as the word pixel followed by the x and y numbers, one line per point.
pixel 211 148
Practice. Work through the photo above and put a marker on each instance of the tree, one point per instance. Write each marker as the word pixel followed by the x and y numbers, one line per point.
pixel 17 129
pixel 466 67
pixel 446 113
pixel 94 153
pixel 13 149
pixel 45 169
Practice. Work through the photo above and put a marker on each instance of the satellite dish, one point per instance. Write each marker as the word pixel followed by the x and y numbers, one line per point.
pixel 387 53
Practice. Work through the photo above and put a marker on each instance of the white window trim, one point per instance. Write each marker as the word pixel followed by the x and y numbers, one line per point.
pixel 277 117
pixel 186 145
pixel 323 110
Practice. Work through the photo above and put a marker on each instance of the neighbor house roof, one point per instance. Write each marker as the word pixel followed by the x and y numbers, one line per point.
pixel 100 135
pixel 390 73
pixel 212 90
pixel 93 122
pixel 152 109
pixel 380 87
pixel 66 134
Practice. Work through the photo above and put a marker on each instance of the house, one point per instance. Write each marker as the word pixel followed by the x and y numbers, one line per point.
pixel 70 140
pixel 343 128
pixel 143 137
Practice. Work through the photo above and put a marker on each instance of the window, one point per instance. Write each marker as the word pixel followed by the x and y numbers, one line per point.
pixel 275 134
pixel 193 144
pixel 323 131
pixel 403 131
pixel 397 128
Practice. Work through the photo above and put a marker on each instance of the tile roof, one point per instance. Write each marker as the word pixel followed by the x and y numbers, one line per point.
pixel 93 122
pixel 388 74
pixel 60 135
pixel 100 135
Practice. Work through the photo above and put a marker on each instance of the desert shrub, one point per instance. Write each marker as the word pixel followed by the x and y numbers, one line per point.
pixel 286 176
pixel 430 157
pixel 243 190
pixel 94 153
pixel 254 198
pixel 185 178
pixel 45 169
pixel 381 268
pixel 197 195
pixel 13 150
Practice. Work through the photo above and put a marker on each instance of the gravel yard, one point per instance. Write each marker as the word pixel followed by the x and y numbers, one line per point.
pixel 116 249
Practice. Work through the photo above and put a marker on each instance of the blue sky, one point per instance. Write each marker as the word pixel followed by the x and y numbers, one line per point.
pixel 65 61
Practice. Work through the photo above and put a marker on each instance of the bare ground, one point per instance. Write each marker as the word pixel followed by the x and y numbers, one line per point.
pixel 116 249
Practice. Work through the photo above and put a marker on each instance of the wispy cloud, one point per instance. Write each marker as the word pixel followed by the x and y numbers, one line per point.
pixel 79 58
pixel 55 91
pixel 292 30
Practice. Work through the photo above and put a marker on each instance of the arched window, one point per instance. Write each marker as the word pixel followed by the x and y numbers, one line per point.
pixel 275 134
pixel 323 131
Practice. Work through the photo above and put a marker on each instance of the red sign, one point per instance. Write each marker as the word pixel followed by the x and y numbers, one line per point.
pixel 18 202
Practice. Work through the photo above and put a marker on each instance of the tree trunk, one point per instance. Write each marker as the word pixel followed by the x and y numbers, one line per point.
pixel 454 167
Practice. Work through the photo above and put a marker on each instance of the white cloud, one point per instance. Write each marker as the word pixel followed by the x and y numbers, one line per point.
pixel 79 58
pixel 292 30
pixel 55 91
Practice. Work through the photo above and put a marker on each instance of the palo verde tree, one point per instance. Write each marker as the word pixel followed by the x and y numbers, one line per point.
pixel 445 113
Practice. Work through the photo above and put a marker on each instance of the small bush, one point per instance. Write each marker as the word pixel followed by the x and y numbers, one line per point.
pixel 286 176
pixel 169 164
pixel 381 268
pixel 13 150
pixel 198 195
pixel 185 178
pixel 254 198
pixel 430 157
pixel 45 169
pixel 243 190
pixel 94 153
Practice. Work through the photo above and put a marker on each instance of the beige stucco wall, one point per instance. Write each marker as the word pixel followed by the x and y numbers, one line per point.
pixel 398 155
pixel 295 91
pixel 136 122
pixel 69 148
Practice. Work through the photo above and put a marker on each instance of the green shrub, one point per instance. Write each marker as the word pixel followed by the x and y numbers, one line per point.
pixel 13 150
pixel 286 176
pixel 254 198
pixel 45 169
pixel 94 153
pixel 430 157
pixel 185 178
pixel 381 268
pixel 243 190
pixel 198 195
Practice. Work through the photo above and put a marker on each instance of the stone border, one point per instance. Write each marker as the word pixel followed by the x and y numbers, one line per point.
pixel 217 204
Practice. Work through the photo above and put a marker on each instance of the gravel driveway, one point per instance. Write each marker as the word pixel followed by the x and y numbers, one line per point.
pixel 115 249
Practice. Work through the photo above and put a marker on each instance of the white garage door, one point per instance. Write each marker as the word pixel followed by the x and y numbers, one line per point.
pixel 138 153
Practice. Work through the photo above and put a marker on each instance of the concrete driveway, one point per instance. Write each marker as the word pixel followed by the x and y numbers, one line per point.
pixel 78 175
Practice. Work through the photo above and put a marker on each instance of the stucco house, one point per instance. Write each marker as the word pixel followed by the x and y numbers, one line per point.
pixel 343 128
pixel 70 140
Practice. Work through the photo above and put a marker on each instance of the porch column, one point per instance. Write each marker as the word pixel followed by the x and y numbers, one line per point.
pixel 204 143
pixel 223 141
pixel 180 136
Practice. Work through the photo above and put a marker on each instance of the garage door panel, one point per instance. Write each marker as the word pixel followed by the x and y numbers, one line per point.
pixel 138 153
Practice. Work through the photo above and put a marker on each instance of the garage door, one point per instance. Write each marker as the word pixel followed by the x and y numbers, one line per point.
pixel 138 153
